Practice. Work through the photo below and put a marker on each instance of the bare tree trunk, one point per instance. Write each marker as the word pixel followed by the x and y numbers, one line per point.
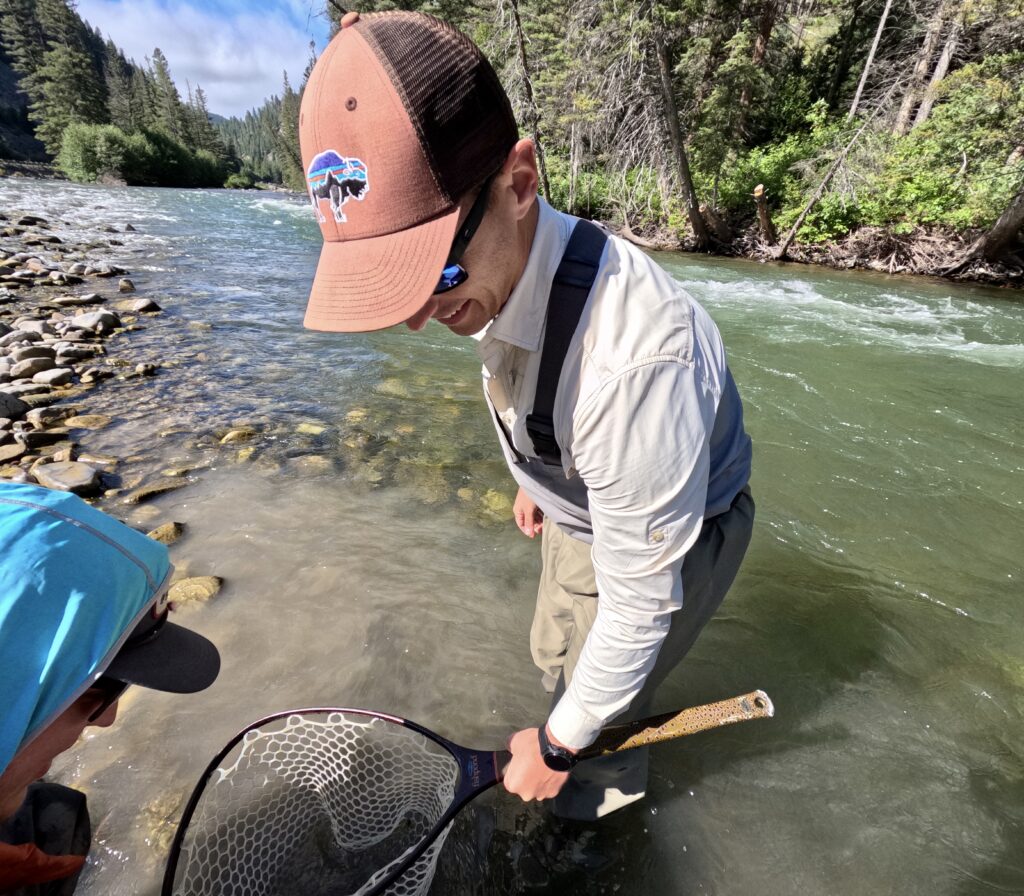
pixel 1000 238
pixel 1005 231
pixel 781 251
pixel 534 111
pixel 921 67
pixel 764 219
pixel 573 170
pixel 770 11
pixel 871 59
pixel 690 202
pixel 717 224
pixel 941 69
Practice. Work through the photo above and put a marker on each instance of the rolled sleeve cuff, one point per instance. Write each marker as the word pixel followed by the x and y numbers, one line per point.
pixel 572 725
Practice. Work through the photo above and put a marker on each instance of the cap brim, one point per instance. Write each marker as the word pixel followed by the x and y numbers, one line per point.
pixel 176 660
pixel 370 284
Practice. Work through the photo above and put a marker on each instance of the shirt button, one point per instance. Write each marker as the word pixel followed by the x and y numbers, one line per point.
pixel 657 536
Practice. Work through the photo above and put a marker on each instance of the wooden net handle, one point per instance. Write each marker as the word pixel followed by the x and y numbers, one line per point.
pixel 654 730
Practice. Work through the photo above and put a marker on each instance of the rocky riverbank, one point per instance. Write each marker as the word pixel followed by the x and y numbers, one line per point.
pixel 60 306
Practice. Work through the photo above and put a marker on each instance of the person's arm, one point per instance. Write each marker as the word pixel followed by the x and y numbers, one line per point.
pixel 642 447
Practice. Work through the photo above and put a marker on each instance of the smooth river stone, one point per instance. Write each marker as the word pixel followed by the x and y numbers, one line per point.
pixel 9 453
pixel 40 438
pixel 104 462
pixel 168 533
pixel 11 406
pixel 25 352
pixel 97 321
pixel 59 376
pixel 238 435
pixel 147 492
pixel 68 477
pixel 31 366
pixel 40 417
pixel 197 588
pixel 88 421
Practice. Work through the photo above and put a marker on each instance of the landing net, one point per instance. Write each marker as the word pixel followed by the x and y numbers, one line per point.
pixel 318 803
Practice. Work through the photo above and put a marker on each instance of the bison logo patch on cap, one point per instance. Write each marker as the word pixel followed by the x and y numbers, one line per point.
pixel 337 178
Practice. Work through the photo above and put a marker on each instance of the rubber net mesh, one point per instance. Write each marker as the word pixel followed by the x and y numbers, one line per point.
pixel 318 803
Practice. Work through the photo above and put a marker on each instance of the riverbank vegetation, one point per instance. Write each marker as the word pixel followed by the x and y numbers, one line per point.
pixel 886 134
pixel 96 114
pixel 881 133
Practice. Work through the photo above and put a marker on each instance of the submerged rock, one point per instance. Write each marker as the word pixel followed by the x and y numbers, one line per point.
pixel 153 490
pixel 88 421
pixel 241 434
pixel 497 504
pixel 168 533
pixel 196 588
pixel 107 463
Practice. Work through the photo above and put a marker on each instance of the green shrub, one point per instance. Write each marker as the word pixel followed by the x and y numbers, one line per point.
pixel 239 180
pixel 951 171
pixel 91 151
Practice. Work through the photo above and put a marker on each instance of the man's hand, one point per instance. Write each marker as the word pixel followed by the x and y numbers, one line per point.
pixel 527 776
pixel 528 516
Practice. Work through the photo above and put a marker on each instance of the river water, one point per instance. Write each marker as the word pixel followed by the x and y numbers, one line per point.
pixel 369 560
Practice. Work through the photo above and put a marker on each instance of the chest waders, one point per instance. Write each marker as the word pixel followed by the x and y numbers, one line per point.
pixel 569 292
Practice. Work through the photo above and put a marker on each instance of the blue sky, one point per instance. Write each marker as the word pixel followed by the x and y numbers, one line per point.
pixel 237 51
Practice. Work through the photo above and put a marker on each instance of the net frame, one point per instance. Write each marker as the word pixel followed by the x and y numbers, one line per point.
pixel 477 770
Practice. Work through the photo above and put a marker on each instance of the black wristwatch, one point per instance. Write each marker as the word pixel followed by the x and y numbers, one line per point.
pixel 558 759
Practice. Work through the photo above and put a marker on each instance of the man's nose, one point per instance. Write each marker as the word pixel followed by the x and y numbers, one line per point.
pixel 419 320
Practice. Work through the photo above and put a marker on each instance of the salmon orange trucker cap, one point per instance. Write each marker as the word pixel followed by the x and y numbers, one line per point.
pixel 401 117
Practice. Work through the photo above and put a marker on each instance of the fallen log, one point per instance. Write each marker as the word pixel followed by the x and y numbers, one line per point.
pixel 655 245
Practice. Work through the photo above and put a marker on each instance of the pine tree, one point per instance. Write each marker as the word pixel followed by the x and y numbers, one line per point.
pixel 65 95
pixel 169 114
pixel 123 105
pixel 286 142
pixel 23 38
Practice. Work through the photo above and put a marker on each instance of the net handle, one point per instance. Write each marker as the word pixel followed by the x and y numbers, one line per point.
pixel 670 725
pixel 667 726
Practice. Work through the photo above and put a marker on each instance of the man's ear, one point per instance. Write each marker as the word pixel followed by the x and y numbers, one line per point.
pixel 521 167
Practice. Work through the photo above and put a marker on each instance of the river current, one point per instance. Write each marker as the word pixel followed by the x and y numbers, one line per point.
pixel 370 560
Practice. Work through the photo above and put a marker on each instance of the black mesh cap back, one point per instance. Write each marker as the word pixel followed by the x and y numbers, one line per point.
pixel 452 94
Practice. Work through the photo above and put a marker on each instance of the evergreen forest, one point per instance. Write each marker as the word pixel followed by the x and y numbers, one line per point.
pixel 882 133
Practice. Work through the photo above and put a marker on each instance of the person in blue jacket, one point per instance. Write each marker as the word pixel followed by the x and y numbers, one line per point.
pixel 83 615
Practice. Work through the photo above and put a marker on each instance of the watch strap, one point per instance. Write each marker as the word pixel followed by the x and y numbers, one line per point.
pixel 556 758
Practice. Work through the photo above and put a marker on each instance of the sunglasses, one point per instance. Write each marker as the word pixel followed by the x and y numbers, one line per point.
pixel 454 274
pixel 111 690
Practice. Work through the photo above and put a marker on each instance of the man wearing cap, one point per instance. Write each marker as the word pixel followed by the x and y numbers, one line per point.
pixel 83 615
pixel 607 383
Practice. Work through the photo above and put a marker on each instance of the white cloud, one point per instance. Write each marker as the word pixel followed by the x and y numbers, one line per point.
pixel 236 56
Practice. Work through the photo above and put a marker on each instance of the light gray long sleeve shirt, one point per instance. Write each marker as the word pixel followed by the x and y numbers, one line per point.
pixel 650 428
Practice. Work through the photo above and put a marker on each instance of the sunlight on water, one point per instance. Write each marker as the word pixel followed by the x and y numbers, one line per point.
pixel 369 560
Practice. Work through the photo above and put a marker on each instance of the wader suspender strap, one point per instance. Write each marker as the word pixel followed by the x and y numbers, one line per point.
pixel 569 291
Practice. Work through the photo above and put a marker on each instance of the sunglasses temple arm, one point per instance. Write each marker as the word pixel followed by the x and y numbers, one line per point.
pixel 669 726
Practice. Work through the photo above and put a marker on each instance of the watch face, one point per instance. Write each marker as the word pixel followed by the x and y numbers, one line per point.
pixel 557 762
